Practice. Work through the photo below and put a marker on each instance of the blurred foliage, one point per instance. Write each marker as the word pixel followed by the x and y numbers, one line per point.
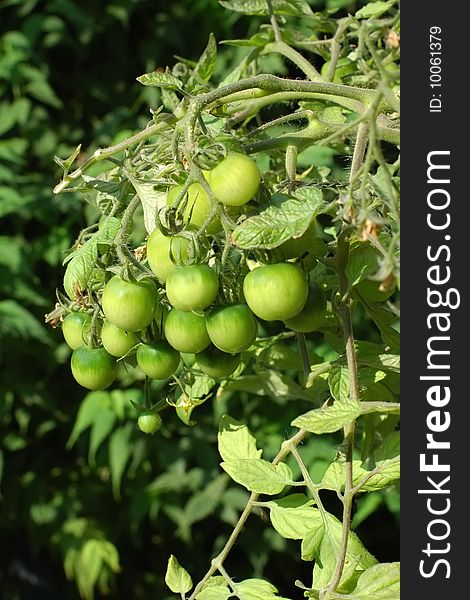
pixel 97 507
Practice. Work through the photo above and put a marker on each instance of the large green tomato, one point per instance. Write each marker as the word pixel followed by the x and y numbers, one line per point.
pixel 75 327
pixel 311 317
pixel 193 287
pixel 158 361
pixel 129 305
pixel 235 180
pixel 297 246
pixel 217 364
pixel 93 368
pixel 160 249
pixel 276 292
pixel 117 341
pixel 232 328
pixel 198 206
pixel 186 331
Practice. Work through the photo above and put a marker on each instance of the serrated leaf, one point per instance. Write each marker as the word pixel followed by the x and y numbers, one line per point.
pixel 259 475
pixel 162 80
pixel 235 441
pixel 374 9
pixel 328 419
pixel 203 503
pixel 177 579
pixel 362 262
pixel 256 589
pixel 293 523
pixel 120 450
pixel 205 65
pixel 384 473
pixel 219 592
pixel 276 225
pixel 338 381
pixel 311 542
pixel 17 322
pixel 82 262
pixel 296 8
pixel 380 582
pixel 89 408
pixel 151 199
pixel 101 427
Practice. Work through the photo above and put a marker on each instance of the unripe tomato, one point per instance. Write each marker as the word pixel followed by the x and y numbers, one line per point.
pixel 129 305
pixel 193 287
pixel 295 247
pixel 217 364
pixel 235 180
pixel 161 248
pixel 311 317
pixel 93 368
pixel 232 328
pixel 158 361
pixel 186 331
pixel 149 422
pixel 75 327
pixel 276 292
pixel 198 206
pixel 117 341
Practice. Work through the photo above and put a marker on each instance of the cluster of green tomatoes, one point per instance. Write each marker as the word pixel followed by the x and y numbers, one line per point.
pixel 181 311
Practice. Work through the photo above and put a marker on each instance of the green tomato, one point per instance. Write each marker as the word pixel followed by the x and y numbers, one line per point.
pixel 160 251
pixel 93 368
pixel 198 206
pixel 75 328
pixel 130 305
pixel 344 67
pixel 186 331
pixel 232 328
pixel 235 180
pixel 276 292
pixel 194 287
pixel 158 361
pixel 117 341
pixel 149 422
pixel 217 364
pixel 298 246
pixel 311 317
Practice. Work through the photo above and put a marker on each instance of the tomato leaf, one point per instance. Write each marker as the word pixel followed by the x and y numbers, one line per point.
pixel 276 225
pixel 328 419
pixel 259 475
pixel 379 582
pixel 235 440
pixel 162 80
pixel 256 589
pixel 374 9
pixel 295 8
pixel 177 579
pixel 205 65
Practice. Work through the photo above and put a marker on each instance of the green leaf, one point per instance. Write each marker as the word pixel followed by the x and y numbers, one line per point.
pixel 384 473
pixel 92 404
pixel 311 542
pixel 374 9
pixel 82 262
pixel 379 582
pixel 203 503
pixel 256 589
pixel 215 588
pixel 295 8
pixel 275 225
pixel 177 579
pixel 120 450
pixel 65 164
pixel 357 557
pixel 235 441
pixel 162 80
pixel 17 322
pixel 259 475
pixel 328 419
pixel 270 383
pixel 294 522
pixel 101 427
pixel 362 262
pixel 338 381
pixel 205 65
pixel 151 199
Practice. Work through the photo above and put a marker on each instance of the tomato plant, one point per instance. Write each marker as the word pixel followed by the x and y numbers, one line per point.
pixel 129 305
pixel 276 292
pixel 93 368
pixel 270 197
